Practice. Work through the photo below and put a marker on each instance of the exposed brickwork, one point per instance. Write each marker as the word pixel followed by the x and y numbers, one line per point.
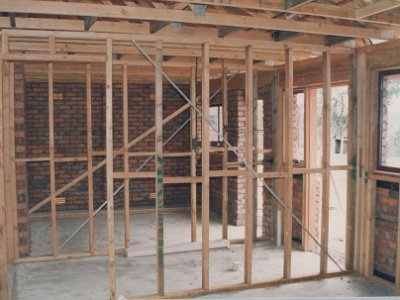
pixel 269 204
pixel 297 205
pixel 20 152
pixel 237 137
pixel 70 140
pixel 386 227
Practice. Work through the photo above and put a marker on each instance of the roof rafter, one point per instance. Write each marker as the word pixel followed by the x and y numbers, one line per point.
pixel 168 15
pixel 310 9
pixel 376 8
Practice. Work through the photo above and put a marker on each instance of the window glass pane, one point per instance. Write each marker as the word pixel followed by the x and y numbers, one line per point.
pixel 389 121
pixel 320 105
pixel 339 124
pixel 298 127
pixel 216 122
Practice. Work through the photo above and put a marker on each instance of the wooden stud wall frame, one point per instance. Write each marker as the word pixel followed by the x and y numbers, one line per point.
pixel 283 91
pixel 110 154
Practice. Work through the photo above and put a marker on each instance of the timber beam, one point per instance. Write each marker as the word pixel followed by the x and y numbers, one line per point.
pixel 168 15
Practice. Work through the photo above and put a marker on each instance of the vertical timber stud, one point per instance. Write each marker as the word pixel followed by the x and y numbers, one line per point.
pixel 205 166
pixel 9 155
pixel 125 108
pixel 359 205
pixel 225 153
pixel 277 130
pixel 371 134
pixel 193 192
pixel 3 237
pixel 288 161
pixel 310 160
pixel 351 178
pixel 13 183
pixel 90 155
pixel 248 248
pixel 256 150
pixel 109 171
pixel 365 198
pixel 326 138
pixel 52 152
pixel 159 171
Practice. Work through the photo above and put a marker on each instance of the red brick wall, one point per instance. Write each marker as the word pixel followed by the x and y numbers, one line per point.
pixel 70 140
pixel 21 168
pixel 297 206
pixel 386 227
pixel 236 136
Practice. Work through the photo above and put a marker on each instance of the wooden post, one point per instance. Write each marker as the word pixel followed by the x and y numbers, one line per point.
pixel 9 156
pixel 225 104
pixel 3 236
pixel 310 160
pixel 159 170
pixel 126 152
pixel 90 156
pixel 205 165
pixel 351 155
pixel 360 172
pixel 326 138
pixel 248 250
pixel 13 180
pixel 277 125
pixel 193 187
pixel 371 134
pixel 257 147
pixel 288 161
pixel 109 172
pixel 52 153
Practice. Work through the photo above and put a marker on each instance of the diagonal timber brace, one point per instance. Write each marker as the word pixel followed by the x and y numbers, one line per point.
pixel 240 157
pixel 103 162
pixel 84 223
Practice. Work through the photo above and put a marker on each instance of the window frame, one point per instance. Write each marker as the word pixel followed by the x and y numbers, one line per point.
pixel 220 123
pixel 381 77
pixel 301 163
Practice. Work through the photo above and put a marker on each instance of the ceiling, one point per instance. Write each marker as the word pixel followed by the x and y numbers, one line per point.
pixel 229 26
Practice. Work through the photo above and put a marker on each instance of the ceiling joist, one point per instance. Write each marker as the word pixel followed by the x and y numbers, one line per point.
pixel 376 8
pixel 309 8
pixel 168 15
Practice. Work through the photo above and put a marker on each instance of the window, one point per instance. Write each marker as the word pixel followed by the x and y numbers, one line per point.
pixel 298 127
pixel 389 116
pixel 217 123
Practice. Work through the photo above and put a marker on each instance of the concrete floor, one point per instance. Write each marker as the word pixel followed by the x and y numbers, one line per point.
pixel 87 278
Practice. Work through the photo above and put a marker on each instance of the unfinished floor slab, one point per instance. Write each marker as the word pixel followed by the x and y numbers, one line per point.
pixel 87 278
